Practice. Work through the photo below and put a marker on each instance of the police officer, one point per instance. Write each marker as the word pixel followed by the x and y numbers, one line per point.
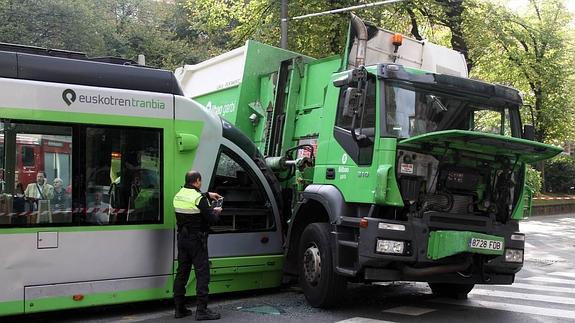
pixel 194 215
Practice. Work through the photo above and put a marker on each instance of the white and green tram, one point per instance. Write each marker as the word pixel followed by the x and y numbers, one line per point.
pixel 114 141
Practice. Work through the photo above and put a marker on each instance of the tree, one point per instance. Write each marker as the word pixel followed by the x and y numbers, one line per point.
pixel 149 28
pixel 71 25
pixel 122 28
pixel 532 53
pixel 233 22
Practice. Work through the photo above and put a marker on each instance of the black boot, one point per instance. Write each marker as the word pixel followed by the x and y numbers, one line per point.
pixel 204 313
pixel 181 311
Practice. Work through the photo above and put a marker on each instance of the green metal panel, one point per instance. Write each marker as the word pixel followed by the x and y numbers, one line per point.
pixel 524 200
pixel 482 143
pixel 442 244
pixel 264 104
pixel 307 121
pixel 241 273
pixel 255 92
pixel 292 97
pixel 11 308
pixel 261 59
pixel 317 78
pixel 386 188
pixel 223 102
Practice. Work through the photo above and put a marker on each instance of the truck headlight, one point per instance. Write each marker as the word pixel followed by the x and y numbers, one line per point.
pixel 390 246
pixel 518 237
pixel 391 226
pixel 514 255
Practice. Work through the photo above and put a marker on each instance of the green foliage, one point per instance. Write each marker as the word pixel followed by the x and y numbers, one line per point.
pixel 228 24
pixel 560 174
pixel 235 21
pixel 71 25
pixel 533 180
pixel 123 28
pixel 531 52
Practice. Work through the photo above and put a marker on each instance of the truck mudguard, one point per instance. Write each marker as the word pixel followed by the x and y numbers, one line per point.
pixel 330 197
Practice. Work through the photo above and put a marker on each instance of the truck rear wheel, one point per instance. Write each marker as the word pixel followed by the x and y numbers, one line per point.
pixel 321 285
pixel 457 291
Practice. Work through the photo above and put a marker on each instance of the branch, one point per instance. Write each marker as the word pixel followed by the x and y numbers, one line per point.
pixel 453 11
pixel 534 87
pixel 531 34
pixel 414 25
pixel 534 4
pixel 524 44
pixel 544 43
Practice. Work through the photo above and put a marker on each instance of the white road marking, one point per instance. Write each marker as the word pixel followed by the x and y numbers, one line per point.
pixel 363 320
pixel 525 309
pixel 564 274
pixel 525 296
pixel 550 280
pixel 144 317
pixel 409 310
pixel 543 288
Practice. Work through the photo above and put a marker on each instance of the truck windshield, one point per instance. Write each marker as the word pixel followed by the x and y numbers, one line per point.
pixel 411 111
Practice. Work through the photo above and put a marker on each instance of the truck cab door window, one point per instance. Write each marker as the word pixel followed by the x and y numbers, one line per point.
pixel 365 125
pixel 246 205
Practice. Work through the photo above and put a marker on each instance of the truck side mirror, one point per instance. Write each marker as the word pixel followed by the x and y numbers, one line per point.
pixel 528 132
pixel 343 81
pixel 351 101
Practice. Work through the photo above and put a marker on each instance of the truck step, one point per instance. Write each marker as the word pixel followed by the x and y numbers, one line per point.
pixel 346 271
pixel 351 244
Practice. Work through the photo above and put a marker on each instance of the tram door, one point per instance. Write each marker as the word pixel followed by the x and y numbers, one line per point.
pixel 249 223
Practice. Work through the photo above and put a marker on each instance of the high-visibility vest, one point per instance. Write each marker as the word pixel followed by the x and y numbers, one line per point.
pixel 187 200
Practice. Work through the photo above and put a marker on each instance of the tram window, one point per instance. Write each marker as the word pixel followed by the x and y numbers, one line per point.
pixel 123 176
pixel 246 204
pixel 27 156
pixel 37 172
pixel 112 176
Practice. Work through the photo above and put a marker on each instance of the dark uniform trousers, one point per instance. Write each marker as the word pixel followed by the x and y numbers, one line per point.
pixel 192 250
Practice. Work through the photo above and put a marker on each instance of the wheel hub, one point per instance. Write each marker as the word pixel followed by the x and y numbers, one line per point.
pixel 312 264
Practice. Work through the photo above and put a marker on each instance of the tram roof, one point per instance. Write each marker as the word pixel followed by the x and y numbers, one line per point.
pixel 58 66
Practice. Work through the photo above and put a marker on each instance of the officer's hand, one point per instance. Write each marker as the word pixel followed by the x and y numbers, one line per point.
pixel 218 210
pixel 215 196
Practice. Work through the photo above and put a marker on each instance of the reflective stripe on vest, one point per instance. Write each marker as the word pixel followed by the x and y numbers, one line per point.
pixel 187 200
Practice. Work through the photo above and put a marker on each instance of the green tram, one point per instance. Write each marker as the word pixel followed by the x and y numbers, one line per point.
pixel 114 141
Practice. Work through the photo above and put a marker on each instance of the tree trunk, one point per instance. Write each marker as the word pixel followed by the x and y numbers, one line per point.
pixel 454 21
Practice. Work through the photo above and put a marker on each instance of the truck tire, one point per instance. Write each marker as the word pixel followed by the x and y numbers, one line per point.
pixel 321 285
pixel 457 291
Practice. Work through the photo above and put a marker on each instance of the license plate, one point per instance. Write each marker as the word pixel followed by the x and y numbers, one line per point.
pixel 478 243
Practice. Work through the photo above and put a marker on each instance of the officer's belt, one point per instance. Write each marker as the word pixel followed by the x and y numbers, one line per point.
pixel 188 230
pixel 187 211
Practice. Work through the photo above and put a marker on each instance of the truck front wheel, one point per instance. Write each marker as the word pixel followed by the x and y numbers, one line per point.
pixel 457 291
pixel 321 285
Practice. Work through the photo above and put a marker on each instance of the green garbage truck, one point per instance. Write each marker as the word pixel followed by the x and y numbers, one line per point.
pixel 394 165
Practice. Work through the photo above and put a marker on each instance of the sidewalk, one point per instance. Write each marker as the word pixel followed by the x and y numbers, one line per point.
pixel 548 204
